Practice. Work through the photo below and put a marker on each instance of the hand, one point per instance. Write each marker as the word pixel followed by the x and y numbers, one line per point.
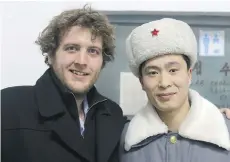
pixel 226 111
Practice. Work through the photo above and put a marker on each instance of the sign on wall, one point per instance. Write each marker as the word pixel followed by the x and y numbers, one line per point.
pixel 211 43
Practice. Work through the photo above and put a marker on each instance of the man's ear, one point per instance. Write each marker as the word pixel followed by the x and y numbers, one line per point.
pixel 190 75
pixel 141 81
pixel 49 59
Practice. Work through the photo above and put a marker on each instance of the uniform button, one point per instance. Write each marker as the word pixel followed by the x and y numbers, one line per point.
pixel 173 139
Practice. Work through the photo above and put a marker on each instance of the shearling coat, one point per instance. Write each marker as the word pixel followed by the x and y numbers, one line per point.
pixel 202 137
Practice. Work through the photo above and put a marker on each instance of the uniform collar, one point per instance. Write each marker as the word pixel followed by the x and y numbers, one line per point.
pixel 204 122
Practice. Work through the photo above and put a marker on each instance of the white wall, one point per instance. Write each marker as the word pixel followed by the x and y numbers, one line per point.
pixel 165 5
pixel 21 22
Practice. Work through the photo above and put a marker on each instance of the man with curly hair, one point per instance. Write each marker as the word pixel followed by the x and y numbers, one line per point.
pixel 62 118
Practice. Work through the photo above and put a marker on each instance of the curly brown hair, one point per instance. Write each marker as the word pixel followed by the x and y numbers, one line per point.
pixel 51 36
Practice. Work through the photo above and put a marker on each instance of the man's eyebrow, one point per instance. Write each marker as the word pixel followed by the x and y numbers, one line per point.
pixel 71 44
pixel 172 63
pixel 151 67
pixel 77 45
pixel 169 64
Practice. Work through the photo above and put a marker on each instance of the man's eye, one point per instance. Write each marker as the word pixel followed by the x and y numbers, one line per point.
pixel 71 49
pixel 173 70
pixel 93 51
pixel 152 73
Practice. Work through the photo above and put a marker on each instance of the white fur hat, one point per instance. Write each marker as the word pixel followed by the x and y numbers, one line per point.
pixel 164 36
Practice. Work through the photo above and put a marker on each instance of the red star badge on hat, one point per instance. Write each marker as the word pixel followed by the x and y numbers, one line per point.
pixel 155 32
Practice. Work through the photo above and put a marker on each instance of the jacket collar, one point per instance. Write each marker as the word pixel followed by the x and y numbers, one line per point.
pixel 204 122
pixel 51 95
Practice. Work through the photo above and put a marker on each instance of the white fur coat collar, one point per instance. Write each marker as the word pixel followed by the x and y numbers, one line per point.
pixel 203 123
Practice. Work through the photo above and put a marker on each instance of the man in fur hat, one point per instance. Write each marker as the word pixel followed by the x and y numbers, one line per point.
pixel 177 124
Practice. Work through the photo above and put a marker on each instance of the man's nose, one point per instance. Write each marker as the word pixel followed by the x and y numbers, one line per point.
pixel 81 57
pixel 165 80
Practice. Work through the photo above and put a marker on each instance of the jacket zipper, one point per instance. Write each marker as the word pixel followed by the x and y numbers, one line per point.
pixel 91 105
pixel 88 110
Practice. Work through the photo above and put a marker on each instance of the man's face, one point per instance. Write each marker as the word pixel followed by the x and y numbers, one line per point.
pixel 78 59
pixel 166 80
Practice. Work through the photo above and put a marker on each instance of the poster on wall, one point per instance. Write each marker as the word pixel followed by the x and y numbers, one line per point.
pixel 132 97
pixel 213 82
pixel 211 43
